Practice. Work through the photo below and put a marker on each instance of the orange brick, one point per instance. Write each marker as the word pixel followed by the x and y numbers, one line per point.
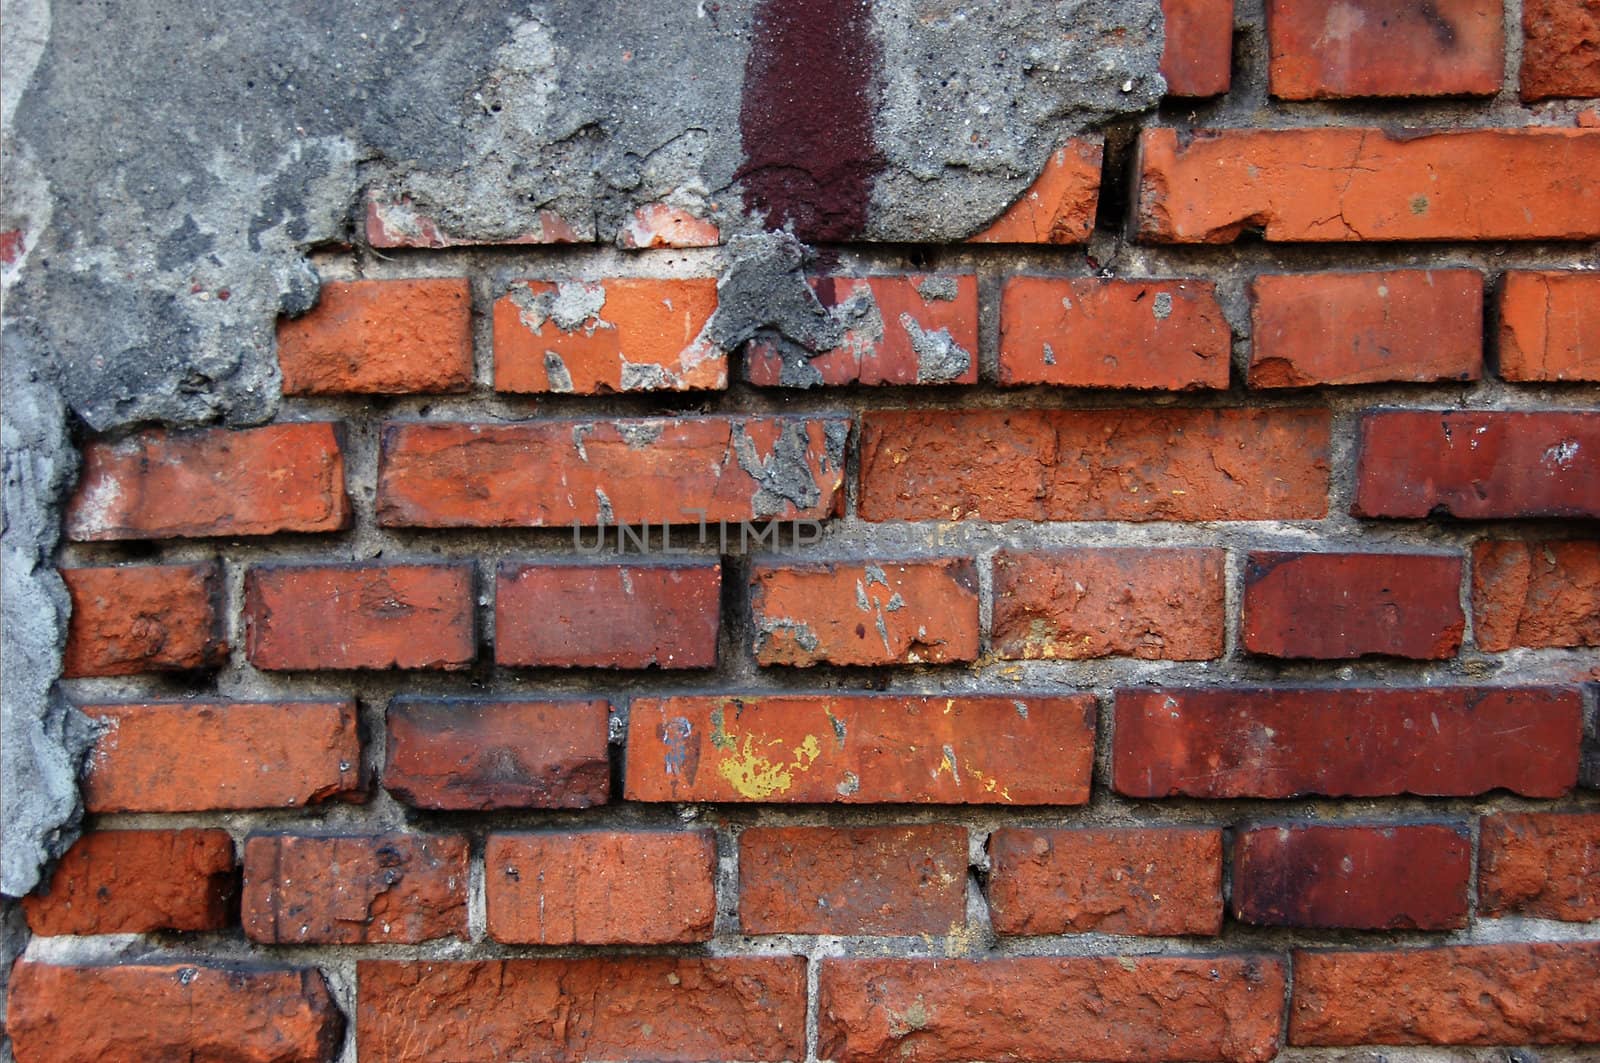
pixel 143 618
pixel 1380 48
pixel 385 337
pixel 1059 207
pixel 137 882
pixel 1550 326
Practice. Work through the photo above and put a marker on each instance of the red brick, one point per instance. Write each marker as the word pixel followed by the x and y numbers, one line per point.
pixel 1560 48
pixel 394 221
pixel 211 482
pixel 1550 326
pixel 662 225
pixel 596 337
pixel 197 756
pixel 657 1008
pixel 1459 995
pixel 855 749
pixel 1536 593
pixel 1365 184
pixel 306 890
pixel 601 887
pixel 564 473
pixel 62 1014
pixel 138 881
pixel 853 880
pixel 836 612
pixel 1345 742
pixel 1154 604
pixel 919 329
pixel 143 618
pixel 1059 207
pixel 1478 465
pixel 360 616
pixel 1340 606
pixel 1364 328
pixel 1129 881
pixel 607 615
pixel 478 755
pixel 1352 877
pixel 1380 48
pixel 1035 1009
pixel 1132 465
pixel 1092 333
pixel 1198 57
pixel 389 337
pixel 1540 864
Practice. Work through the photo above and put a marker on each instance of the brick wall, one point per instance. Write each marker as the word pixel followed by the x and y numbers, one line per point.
pixel 1161 628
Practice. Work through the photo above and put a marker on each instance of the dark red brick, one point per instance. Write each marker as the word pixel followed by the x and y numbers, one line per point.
pixel 384 337
pixel 1550 324
pixel 138 881
pixel 1545 865
pixel 1560 48
pixel 1543 592
pixel 1059 207
pixel 1197 59
pixel 143 618
pixel 1380 48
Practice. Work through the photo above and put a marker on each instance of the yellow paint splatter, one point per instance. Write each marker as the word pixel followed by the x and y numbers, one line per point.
pixel 757 777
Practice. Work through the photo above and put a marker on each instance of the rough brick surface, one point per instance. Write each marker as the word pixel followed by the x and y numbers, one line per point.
pixel 1154 604
pixel 1380 48
pixel 1321 184
pixel 138 881
pixel 385 337
pixel 1197 59
pixel 1091 333
pixel 1499 464
pixel 1545 865
pixel 475 755
pixel 1132 465
pixel 862 750
pixel 1059 207
pixel 1462 995
pixel 1550 324
pixel 143 618
pixel 1363 328
pixel 64 1014
pixel 1536 593
pixel 914 612
pixel 1345 742
pixel 192 756
pixel 1560 48
pixel 1337 606
pixel 1125 881
pixel 601 887
pixel 607 615
pixel 661 225
pixel 568 1010
pixel 211 482
pixel 853 880
pixel 1357 877
pixel 1036 1009
pixel 354 890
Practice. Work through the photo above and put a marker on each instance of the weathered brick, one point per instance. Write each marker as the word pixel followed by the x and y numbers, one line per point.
pixel 1478 465
pixel 608 615
pixel 1124 881
pixel 384 337
pixel 1363 328
pixel 1154 604
pixel 663 225
pixel 211 482
pixel 1197 59
pixel 1550 326
pixel 853 880
pixel 1380 48
pixel 1545 865
pixel 360 616
pixel 354 890
pixel 677 470
pixel 64 1014
pixel 918 329
pixel 477 755
pixel 601 887
pixel 1344 742
pixel 1132 465
pixel 595 337
pixel 136 882
pixel 1458 995
pixel 143 618
pixel 856 749
pixel 836 612
pixel 1355 877
pixel 196 756
pixel 1318 184
pixel 682 1010
pixel 1560 48
pixel 1335 606
pixel 1543 592
pixel 1035 1009
pixel 1093 333
pixel 1059 207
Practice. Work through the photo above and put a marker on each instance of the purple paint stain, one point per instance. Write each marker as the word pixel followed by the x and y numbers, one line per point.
pixel 805 119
